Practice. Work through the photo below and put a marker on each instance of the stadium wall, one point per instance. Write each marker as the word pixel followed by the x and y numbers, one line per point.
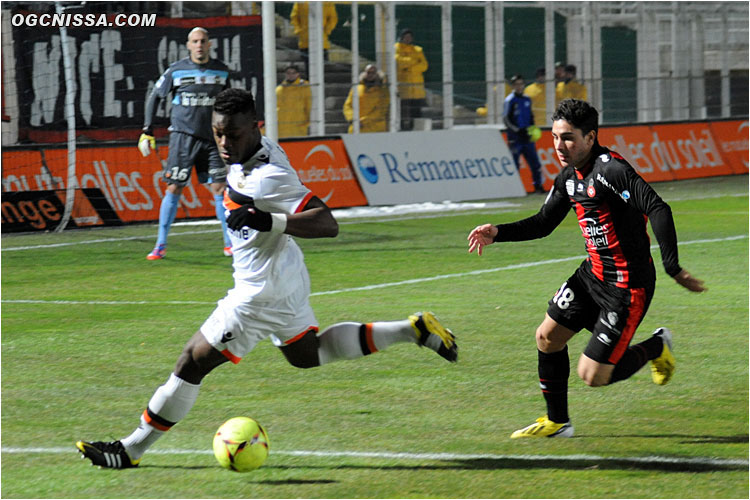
pixel 118 185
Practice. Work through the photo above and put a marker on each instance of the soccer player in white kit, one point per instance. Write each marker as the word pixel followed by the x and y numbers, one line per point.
pixel 267 205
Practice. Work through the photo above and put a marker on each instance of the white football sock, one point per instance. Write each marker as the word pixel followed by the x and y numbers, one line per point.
pixel 354 340
pixel 169 404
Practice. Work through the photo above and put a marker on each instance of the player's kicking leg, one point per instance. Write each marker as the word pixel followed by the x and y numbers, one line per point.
pixel 111 455
pixel 350 340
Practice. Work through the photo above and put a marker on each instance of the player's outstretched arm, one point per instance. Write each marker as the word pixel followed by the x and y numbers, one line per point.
pixel 314 221
pixel 481 236
pixel 687 280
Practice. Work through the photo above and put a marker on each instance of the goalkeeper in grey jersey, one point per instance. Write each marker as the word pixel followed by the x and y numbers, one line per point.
pixel 194 83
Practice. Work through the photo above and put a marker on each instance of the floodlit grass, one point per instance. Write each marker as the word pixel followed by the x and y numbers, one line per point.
pixel 82 360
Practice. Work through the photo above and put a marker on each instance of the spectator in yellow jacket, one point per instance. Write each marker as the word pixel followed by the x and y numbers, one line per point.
pixel 570 88
pixel 293 104
pixel 537 92
pixel 300 20
pixel 374 102
pixel 410 65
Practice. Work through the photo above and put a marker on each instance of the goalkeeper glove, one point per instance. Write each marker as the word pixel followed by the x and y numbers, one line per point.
pixel 255 218
pixel 522 135
pixel 146 143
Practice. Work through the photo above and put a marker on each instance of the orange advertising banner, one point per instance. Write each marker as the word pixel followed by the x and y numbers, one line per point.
pixel 129 182
pixel 637 145
pixel 132 186
pixel 323 166
pixel 688 149
pixel 662 152
pixel 732 138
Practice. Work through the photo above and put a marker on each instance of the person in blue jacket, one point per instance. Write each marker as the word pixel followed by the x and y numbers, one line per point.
pixel 518 117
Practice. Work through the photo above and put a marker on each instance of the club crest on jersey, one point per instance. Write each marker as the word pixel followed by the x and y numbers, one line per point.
pixel 591 191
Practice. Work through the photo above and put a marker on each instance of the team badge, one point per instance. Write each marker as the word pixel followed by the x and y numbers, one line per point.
pixel 591 191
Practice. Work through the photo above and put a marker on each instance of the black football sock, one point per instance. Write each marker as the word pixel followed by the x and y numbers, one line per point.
pixel 554 370
pixel 636 356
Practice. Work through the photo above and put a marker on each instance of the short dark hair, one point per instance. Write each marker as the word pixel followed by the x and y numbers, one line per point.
pixel 291 66
pixel 571 68
pixel 234 101
pixel 405 31
pixel 540 71
pixel 515 78
pixel 578 113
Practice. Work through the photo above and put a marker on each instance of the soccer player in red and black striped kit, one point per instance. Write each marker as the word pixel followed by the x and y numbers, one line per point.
pixel 610 292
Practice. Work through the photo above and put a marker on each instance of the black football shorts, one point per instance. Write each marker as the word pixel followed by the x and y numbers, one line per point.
pixel 612 314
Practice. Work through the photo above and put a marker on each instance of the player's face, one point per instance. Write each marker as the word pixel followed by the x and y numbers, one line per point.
pixel 571 146
pixel 198 45
pixel 236 136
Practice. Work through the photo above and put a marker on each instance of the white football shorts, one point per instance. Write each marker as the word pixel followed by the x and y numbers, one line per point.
pixel 238 323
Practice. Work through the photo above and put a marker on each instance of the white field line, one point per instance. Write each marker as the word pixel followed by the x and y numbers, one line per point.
pixel 654 459
pixel 359 219
pixel 355 289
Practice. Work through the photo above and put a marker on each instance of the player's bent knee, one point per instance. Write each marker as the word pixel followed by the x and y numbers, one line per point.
pixel 594 376
pixel 303 352
pixel 197 359
pixel 546 342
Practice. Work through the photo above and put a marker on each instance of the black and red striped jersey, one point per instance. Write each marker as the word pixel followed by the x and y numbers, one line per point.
pixel 613 205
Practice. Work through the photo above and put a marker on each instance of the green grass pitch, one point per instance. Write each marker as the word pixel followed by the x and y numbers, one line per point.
pixel 90 329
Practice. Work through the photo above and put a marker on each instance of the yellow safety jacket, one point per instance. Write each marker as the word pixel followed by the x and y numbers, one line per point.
pixel 538 95
pixel 570 90
pixel 374 102
pixel 293 105
pixel 299 19
pixel 410 66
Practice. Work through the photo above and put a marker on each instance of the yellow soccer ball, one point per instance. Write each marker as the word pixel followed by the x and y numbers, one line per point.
pixel 241 444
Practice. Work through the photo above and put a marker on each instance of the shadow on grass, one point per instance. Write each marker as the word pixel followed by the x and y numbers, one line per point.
pixel 282 482
pixel 688 439
pixel 661 464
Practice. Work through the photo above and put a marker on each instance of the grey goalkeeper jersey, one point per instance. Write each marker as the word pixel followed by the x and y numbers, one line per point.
pixel 194 87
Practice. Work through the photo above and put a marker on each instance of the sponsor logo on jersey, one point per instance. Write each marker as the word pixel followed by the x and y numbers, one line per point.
pixel 604 157
pixel 596 234
pixel 200 80
pixel 569 186
pixel 625 195
pixel 194 99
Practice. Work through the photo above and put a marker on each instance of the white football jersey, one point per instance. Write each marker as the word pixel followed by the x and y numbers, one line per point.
pixel 267 265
